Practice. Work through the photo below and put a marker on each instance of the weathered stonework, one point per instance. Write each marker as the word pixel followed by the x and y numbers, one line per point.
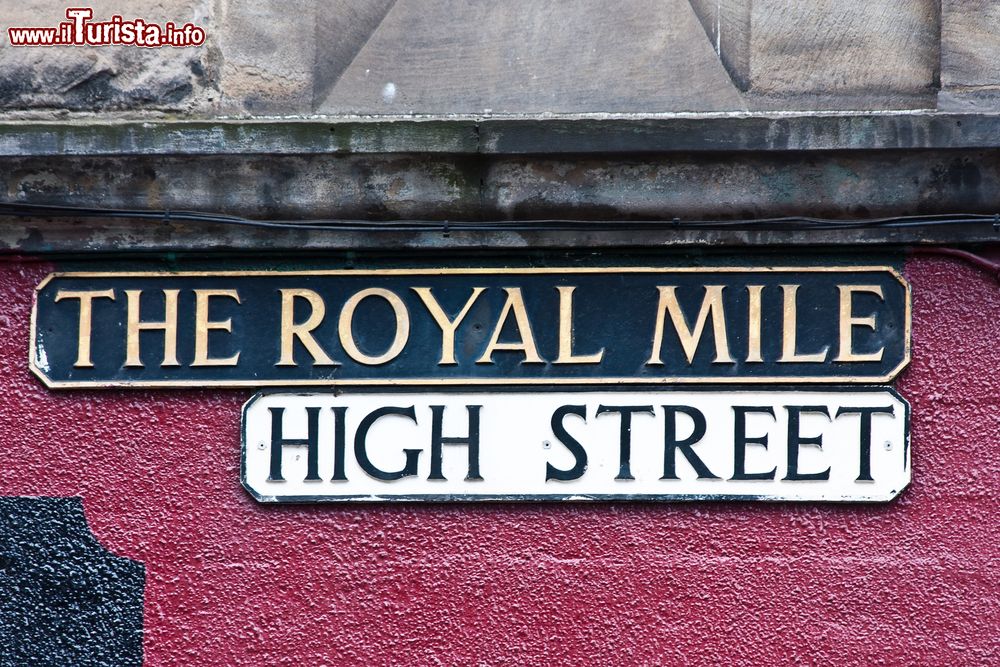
pixel 522 56
pixel 130 79
pixel 268 57
pixel 429 57
pixel 881 54
pixel 970 55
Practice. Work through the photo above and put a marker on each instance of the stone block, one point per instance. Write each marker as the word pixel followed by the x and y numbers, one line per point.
pixel 843 54
pixel 970 55
pixel 269 51
pixel 727 23
pixel 524 56
pixel 109 78
pixel 342 28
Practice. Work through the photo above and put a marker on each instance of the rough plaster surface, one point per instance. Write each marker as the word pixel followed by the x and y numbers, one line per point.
pixel 65 599
pixel 232 582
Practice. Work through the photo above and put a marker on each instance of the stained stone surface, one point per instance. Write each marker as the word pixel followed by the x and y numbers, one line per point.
pixel 440 57
pixel 970 55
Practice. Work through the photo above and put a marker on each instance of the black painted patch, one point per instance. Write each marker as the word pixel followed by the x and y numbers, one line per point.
pixel 64 600
pixel 614 309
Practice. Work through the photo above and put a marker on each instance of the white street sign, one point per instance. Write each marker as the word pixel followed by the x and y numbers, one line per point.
pixel 831 445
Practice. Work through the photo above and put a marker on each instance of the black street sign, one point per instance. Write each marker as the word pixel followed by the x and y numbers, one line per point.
pixel 472 326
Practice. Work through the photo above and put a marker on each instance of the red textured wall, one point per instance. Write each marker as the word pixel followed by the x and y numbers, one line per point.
pixel 228 581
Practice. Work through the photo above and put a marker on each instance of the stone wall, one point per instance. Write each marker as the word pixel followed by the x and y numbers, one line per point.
pixel 392 57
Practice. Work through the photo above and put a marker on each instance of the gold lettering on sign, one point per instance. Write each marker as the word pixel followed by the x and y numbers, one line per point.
pixel 448 327
pixel 515 304
pixel 303 331
pixel 753 328
pixel 202 325
pixel 848 322
pixel 789 330
pixel 85 327
pixel 566 355
pixel 347 334
pixel 711 306
pixel 135 324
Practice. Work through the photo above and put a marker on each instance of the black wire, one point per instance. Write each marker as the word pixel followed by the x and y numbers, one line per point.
pixel 782 223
